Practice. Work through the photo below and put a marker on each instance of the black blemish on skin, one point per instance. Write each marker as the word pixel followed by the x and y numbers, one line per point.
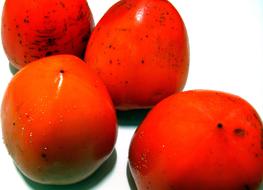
pixel 146 36
pixel 17 26
pixel 81 14
pixel 46 33
pixel 14 123
pixel 246 187
pixel 62 4
pixel 219 125
pixel 142 61
pixel 26 20
pixel 18 34
pixel 43 155
pixel 51 41
pixel 20 42
pixel 110 46
pixel 49 53
pixel 239 132
pixel 62 71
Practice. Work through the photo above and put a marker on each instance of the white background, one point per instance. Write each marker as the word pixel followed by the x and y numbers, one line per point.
pixel 226 44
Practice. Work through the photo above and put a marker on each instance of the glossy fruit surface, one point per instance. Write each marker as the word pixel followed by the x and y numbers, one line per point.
pixel 198 140
pixel 32 29
pixel 58 121
pixel 140 50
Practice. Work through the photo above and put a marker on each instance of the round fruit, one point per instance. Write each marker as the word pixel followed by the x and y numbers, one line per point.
pixel 140 50
pixel 198 140
pixel 58 121
pixel 32 29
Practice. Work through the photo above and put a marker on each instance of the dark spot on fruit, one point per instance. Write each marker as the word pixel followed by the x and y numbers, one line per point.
pixel 239 132
pixel 26 20
pixel 110 46
pixel 110 61
pixel 48 53
pixel 126 82
pixel 142 61
pixel 43 155
pixel 146 36
pixel 62 4
pixel 18 34
pixel 62 71
pixel 256 155
pixel 246 187
pixel 20 42
pixel 81 14
pixel 51 41
pixel 46 17
pixel 219 125
pixel 14 123
pixel 17 26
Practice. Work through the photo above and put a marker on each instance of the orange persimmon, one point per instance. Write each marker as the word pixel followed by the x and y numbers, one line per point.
pixel 140 50
pixel 198 139
pixel 58 120
pixel 35 29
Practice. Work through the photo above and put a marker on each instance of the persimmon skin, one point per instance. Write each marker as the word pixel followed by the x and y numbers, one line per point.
pixel 198 139
pixel 58 120
pixel 35 29
pixel 140 50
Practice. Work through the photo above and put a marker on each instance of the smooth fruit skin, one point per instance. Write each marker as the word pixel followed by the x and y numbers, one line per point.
pixel 32 29
pixel 58 121
pixel 140 50
pixel 198 139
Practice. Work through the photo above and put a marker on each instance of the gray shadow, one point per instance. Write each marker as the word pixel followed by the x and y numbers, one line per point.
pixel 131 118
pixel 12 69
pixel 88 183
pixel 130 178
